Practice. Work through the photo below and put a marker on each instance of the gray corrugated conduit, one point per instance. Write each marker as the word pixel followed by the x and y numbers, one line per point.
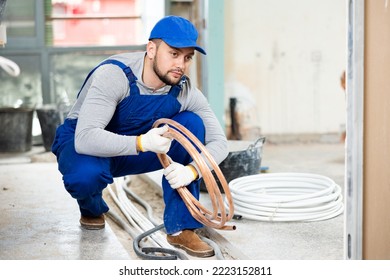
pixel 286 197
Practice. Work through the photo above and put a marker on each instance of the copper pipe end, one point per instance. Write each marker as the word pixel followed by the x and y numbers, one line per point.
pixel 228 227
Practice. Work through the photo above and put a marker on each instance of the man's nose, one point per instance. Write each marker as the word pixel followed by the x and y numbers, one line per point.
pixel 180 63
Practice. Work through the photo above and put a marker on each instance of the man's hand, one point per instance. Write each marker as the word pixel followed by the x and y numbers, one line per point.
pixel 153 141
pixel 179 175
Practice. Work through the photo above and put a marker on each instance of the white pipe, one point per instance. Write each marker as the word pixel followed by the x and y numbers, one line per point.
pixel 9 66
pixel 142 221
pixel 119 204
pixel 282 197
pixel 133 215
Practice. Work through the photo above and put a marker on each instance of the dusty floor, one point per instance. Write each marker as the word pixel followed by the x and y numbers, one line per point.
pixel 40 220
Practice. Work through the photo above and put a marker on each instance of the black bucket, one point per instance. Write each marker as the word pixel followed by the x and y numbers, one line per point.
pixel 16 129
pixel 49 119
pixel 244 159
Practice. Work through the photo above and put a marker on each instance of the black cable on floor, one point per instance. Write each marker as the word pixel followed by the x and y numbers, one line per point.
pixel 149 253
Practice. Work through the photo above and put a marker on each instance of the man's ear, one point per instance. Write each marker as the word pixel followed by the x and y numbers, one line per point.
pixel 151 48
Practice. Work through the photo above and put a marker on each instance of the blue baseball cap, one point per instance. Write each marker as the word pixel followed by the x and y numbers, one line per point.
pixel 177 32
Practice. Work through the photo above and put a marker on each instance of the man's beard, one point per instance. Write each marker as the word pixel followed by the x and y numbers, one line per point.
pixel 163 77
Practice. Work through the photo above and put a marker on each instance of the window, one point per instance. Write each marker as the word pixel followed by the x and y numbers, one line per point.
pixel 19 17
pixel 57 42
pixel 23 90
pixel 93 23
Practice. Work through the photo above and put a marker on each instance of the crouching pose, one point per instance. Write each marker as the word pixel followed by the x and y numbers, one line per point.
pixel 108 132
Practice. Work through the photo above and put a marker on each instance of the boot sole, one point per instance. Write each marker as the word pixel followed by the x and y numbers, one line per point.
pixel 92 227
pixel 92 223
pixel 194 253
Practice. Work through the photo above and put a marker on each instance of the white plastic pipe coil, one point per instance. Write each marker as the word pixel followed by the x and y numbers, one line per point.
pixel 284 197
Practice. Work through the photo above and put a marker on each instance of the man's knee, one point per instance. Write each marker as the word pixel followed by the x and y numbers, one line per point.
pixel 192 122
pixel 188 118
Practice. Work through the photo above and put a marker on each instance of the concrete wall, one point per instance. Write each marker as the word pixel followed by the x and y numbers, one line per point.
pixel 283 61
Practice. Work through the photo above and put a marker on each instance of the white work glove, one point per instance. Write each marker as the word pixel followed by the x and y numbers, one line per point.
pixel 179 175
pixel 153 141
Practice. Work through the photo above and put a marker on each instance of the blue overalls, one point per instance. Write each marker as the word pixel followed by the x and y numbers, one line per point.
pixel 86 176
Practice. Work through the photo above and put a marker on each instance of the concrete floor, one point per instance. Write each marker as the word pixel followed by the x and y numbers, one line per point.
pixel 40 220
pixel 322 240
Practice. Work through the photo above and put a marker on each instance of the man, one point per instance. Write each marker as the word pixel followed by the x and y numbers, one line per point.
pixel 108 132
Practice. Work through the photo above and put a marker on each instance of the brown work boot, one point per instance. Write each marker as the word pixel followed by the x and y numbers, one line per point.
pixel 191 243
pixel 92 222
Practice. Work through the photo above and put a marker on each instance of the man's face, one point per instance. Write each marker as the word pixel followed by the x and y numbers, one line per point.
pixel 170 64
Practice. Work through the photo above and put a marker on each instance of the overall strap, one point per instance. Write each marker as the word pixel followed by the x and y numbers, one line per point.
pixel 126 69
pixel 175 90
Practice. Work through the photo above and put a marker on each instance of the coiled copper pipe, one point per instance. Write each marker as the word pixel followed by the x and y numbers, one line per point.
pixel 218 217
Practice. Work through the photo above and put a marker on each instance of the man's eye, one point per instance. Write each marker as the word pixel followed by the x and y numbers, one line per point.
pixel 174 54
pixel 188 58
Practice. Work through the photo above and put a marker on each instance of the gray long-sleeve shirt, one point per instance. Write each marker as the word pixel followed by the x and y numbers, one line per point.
pixel 107 87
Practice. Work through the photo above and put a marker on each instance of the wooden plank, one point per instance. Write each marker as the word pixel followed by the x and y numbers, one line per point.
pixel 376 178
